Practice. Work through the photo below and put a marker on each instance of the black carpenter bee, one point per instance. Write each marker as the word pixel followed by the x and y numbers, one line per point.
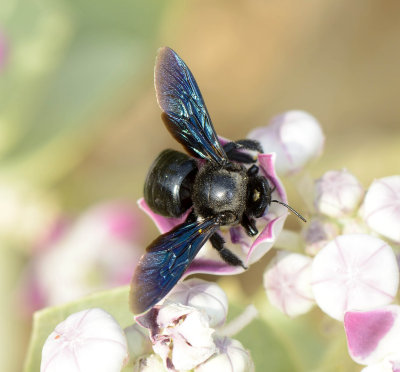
pixel 213 182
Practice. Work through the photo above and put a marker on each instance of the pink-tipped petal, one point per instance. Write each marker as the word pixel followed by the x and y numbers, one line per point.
pixel 374 336
pixel 164 224
pixel 354 272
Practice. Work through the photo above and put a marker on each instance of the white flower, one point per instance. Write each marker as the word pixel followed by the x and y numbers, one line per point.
pixel 205 296
pixel 287 281
pixel 231 357
pixel 338 193
pixel 181 335
pixel 295 136
pixel 354 272
pixel 90 340
pixel 381 208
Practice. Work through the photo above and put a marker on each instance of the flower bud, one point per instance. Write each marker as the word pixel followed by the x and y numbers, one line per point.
pixel 205 296
pixel 318 233
pixel 90 340
pixel 381 208
pixel 231 357
pixel 287 282
pixel 354 272
pixel 295 136
pixel 338 193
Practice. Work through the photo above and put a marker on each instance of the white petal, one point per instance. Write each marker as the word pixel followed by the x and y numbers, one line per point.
pixel 231 357
pixel 384 366
pixel 184 337
pixel 205 296
pixel 354 272
pixel 287 281
pixel 90 340
pixel 381 208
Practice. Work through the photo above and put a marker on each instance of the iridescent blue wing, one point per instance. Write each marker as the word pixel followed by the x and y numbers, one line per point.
pixel 185 114
pixel 165 261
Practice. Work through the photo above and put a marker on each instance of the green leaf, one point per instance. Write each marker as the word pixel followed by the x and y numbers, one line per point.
pixel 114 301
pixel 74 65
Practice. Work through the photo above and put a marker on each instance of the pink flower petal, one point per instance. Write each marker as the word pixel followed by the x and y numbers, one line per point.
pixel 373 336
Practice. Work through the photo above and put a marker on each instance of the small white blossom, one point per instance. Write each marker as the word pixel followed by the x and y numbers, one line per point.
pixel 354 272
pixel 181 335
pixel 231 357
pixel 287 281
pixel 381 208
pixel 338 193
pixel 90 340
pixel 295 136
pixel 205 296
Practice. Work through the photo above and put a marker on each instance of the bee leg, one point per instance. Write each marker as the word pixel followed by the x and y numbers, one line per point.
pixel 231 150
pixel 253 170
pixel 217 241
pixel 249 144
pixel 249 225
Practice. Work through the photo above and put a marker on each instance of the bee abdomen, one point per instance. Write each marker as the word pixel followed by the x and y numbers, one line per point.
pixel 168 185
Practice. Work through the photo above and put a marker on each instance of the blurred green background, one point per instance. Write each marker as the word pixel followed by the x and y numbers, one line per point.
pixel 79 122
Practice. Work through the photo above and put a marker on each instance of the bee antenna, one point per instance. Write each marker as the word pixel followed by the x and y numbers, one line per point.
pixel 290 208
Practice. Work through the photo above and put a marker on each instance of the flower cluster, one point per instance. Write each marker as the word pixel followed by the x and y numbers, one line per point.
pixel 345 261
pixel 187 332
